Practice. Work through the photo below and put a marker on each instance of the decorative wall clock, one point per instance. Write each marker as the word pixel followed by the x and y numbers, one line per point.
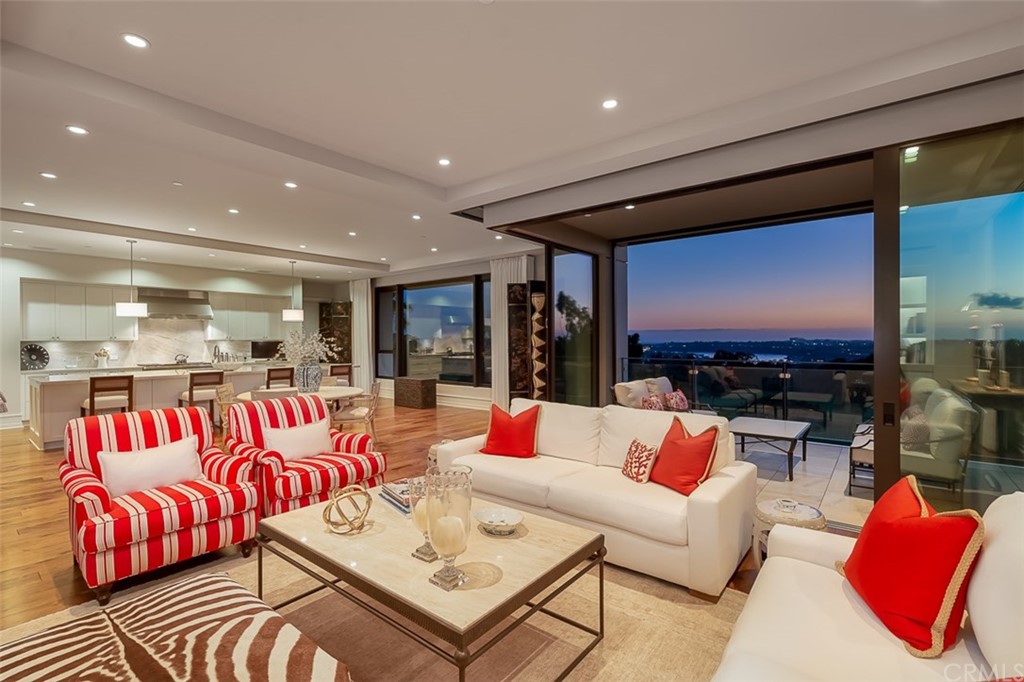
pixel 34 356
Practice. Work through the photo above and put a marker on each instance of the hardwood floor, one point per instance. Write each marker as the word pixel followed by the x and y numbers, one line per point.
pixel 37 573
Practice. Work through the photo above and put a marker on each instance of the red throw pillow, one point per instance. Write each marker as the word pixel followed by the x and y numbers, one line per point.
pixel 685 461
pixel 512 436
pixel 911 567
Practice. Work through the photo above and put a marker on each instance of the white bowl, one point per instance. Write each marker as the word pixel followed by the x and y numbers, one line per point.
pixel 498 520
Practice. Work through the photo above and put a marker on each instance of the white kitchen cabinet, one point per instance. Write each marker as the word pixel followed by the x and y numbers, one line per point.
pixel 38 314
pixel 236 316
pixel 217 328
pixel 101 320
pixel 275 326
pixel 52 312
pixel 257 326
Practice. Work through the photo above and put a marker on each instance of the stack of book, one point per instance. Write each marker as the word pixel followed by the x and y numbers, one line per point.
pixel 396 493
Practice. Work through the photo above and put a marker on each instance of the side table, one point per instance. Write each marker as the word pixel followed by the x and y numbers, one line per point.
pixel 432 452
pixel 770 512
pixel 415 392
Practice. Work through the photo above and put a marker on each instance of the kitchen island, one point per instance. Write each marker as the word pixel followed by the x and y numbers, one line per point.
pixel 54 399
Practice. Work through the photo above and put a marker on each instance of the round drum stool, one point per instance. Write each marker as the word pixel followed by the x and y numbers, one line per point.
pixel 786 512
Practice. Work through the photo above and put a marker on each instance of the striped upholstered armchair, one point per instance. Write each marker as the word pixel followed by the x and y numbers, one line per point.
pixel 291 484
pixel 114 536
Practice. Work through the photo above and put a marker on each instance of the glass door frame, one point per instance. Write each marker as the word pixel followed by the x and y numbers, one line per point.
pixel 887 191
pixel 596 312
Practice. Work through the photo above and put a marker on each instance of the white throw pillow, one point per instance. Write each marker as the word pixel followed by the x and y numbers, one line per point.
pixel 128 472
pixel 297 442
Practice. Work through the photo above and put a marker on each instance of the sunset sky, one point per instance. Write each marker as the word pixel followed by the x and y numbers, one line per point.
pixel 807 276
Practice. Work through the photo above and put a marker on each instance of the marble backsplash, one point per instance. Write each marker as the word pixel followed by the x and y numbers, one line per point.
pixel 159 341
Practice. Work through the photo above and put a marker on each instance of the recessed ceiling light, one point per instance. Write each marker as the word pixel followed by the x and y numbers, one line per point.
pixel 911 151
pixel 192 229
pixel 212 255
pixel 77 130
pixel 630 207
pixel 233 211
pixel 8 244
pixel 302 246
pixel 444 162
pixel 28 203
pixel 382 258
pixel 416 216
pixel 498 236
pixel 291 185
pixel 351 234
pixel 177 183
pixel 586 215
pixel 317 276
pixel 143 258
pixel 48 176
pixel 18 231
pixel 610 103
pixel 904 209
pixel 434 249
pixel 135 40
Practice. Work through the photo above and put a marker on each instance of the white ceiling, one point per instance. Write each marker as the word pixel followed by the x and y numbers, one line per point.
pixel 356 101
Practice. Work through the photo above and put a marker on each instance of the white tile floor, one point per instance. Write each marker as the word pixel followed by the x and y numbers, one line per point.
pixel 820 481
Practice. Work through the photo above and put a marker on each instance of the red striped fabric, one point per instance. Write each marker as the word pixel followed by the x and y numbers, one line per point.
pixel 84 437
pixel 290 485
pixel 108 566
pixel 142 515
pixel 281 505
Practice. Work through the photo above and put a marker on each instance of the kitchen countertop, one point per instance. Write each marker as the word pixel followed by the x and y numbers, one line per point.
pixel 72 375
pixel 131 369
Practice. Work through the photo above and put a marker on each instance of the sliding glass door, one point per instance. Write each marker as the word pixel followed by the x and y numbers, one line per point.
pixel 572 291
pixel 961 242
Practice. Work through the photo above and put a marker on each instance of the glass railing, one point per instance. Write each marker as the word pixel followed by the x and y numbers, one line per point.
pixel 833 397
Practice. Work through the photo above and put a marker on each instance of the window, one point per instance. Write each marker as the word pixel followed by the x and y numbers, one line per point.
pixel 573 294
pixel 435 330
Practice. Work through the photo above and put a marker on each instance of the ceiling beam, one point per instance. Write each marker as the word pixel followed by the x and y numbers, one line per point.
pixel 96 84
pixel 141 234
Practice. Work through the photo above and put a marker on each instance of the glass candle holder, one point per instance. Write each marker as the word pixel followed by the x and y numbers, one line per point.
pixel 449 497
pixel 418 502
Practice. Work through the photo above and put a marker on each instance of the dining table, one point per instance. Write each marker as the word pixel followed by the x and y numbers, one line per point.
pixel 328 393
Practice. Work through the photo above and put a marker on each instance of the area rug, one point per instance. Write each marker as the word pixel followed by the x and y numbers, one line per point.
pixel 653 630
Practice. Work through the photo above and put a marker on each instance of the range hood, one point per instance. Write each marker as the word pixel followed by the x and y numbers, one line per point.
pixel 176 304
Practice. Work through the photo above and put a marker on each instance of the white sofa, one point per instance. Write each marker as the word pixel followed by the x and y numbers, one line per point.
pixel 803 621
pixel 695 541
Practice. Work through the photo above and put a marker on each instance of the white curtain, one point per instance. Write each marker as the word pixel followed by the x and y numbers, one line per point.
pixel 361 292
pixel 504 271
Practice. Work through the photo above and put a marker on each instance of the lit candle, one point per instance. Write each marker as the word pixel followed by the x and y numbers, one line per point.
pixel 419 514
pixel 448 536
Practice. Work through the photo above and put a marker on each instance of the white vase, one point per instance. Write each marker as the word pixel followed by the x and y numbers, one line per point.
pixel 101 362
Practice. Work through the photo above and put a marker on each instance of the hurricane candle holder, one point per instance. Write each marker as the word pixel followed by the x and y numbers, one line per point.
pixel 418 502
pixel 449 497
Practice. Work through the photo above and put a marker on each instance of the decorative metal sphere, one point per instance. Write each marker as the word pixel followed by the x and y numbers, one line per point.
pixel 358 502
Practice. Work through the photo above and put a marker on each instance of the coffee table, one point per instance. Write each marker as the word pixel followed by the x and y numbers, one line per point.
pixel 510 576
pixel 768 430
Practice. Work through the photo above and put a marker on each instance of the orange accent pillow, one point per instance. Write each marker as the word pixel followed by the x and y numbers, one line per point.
pixel 512 436
pixel 685 461
pixel 911 567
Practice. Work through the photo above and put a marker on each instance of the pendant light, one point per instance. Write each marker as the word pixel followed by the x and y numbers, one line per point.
pixel 130 308
pixel 293 314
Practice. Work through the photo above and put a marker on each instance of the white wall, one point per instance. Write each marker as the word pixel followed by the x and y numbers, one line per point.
pixel 18 264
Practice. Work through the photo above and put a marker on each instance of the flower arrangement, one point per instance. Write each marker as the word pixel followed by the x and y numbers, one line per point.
pixel 102 353
pixel 313 346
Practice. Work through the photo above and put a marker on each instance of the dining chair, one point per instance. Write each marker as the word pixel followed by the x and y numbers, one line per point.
pixel 202 388
pixel 280 374
pixel 123 388
pixel 361 410
pixel 342 372
pixel 269 394
pixel 226 397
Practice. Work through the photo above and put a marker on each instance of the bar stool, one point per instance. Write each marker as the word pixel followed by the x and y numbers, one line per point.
pixel 122 385
pixel 280 374
pixel 196 380
pixel 342 371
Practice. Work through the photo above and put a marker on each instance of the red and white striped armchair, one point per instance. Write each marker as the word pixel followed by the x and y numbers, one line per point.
pixel 116 537
pixel 287 485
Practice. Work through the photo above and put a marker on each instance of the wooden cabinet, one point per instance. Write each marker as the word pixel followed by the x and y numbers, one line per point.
pixel 101 320
pixel 52 312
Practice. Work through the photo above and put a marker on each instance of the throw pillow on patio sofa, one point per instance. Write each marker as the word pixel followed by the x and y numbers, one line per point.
pixel 652 402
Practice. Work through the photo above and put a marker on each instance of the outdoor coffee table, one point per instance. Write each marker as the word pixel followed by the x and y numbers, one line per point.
pixel 507 575
pixel 768 430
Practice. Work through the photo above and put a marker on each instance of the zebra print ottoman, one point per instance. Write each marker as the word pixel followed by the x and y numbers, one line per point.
pixel 203 628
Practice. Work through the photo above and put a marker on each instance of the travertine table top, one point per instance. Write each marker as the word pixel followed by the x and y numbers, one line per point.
pixel 500 569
